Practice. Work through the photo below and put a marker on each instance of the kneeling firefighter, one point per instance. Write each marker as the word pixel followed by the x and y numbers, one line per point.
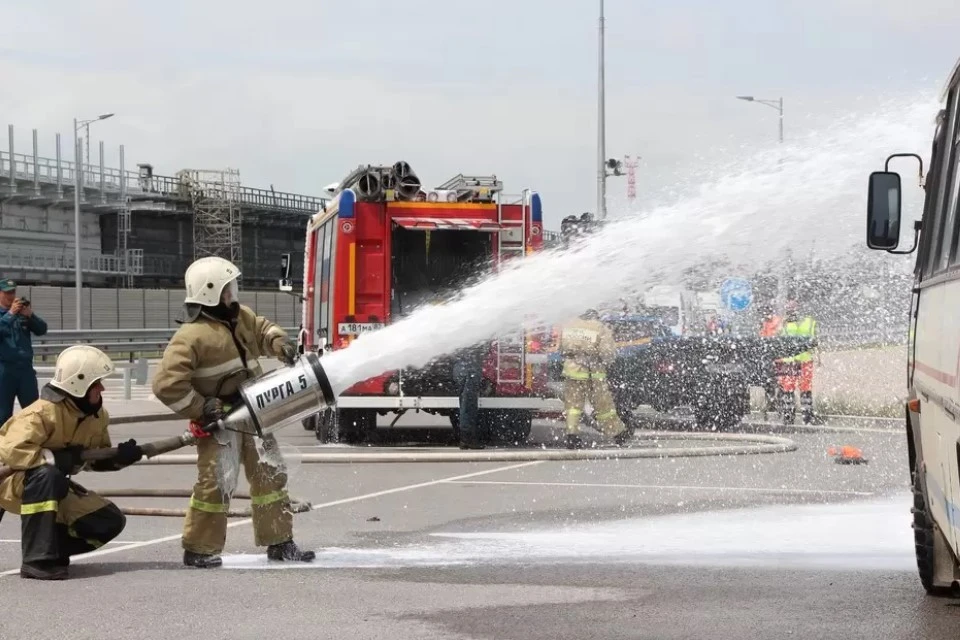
pixel 44 443
pixel 588 348
pixel 214 350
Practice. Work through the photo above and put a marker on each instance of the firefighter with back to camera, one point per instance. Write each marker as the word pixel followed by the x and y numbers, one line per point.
pixel 215 349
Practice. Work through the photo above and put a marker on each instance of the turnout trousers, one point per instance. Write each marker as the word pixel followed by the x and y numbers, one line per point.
pixel 577 392
pixel 17 382
pixel 59 518
pixel 219 458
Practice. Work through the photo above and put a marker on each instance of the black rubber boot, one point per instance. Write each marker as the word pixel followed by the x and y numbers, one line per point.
pixel 201 560
pixel 44 571
pixel 574 441
pixel 623 438
pixel 289 551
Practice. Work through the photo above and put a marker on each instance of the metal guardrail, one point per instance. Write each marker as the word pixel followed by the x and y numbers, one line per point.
pixel 132 341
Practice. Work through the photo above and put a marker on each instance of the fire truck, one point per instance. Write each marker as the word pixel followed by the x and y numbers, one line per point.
pixel 382 247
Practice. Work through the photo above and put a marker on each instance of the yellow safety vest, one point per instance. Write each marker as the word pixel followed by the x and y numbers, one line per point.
pixel 806 328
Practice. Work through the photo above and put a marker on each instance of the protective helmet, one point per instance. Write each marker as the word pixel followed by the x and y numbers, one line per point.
pixel 78 367
pixel 207 278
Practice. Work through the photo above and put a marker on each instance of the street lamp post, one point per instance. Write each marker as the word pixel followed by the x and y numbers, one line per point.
pixel 775 104
pixel 77 180
pixel 601 128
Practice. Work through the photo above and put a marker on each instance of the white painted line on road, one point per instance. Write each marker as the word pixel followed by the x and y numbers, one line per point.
pixel 675 487
pixel 828 429
pixel 316 507
pixel 17 541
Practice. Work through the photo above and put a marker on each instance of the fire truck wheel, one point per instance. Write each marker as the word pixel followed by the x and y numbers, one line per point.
pixel 510 428
pixel 354 425
pixel 323 425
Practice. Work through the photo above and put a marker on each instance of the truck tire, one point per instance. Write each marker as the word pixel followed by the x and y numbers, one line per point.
pixel 324 423
pixel 721 412
pixel 310 423
pixel 511 428
pixel 923 535
pixel 354 425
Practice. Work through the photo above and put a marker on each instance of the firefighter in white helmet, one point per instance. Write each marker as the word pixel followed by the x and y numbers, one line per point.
pixel 215 349
pixel 44 443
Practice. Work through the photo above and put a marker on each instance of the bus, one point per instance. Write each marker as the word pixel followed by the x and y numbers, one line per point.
pixel 382 247
pixel 932 411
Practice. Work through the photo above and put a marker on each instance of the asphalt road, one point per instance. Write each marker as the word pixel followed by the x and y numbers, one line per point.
pixel 766 546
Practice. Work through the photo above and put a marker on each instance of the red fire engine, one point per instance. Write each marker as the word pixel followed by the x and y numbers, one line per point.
pixel 382 247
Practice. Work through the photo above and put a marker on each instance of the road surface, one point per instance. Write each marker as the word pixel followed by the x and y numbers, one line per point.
pixel 766 546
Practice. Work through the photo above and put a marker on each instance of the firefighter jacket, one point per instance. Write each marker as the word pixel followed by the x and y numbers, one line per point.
pixel 53 422
pixel 805 328
pixel 771 327
pixel 588 348
pixel 208 357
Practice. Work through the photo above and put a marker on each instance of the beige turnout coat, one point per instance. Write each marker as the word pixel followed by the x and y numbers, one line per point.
pixel 204 354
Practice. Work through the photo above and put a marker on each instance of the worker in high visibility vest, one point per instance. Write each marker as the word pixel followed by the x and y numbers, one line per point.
pixel 770 328
pixel 796 372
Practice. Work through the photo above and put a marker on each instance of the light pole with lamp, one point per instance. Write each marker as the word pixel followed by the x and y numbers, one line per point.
pixel 77 179
pixel 774 104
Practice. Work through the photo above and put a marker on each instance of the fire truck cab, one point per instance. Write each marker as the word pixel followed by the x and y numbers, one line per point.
pixel 382 248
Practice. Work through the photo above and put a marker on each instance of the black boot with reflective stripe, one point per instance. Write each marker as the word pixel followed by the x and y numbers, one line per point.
pixel 43 489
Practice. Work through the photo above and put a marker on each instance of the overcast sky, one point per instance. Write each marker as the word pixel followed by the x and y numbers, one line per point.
pixel 295 93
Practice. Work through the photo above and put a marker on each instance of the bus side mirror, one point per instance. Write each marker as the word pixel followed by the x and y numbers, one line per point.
pixel 285 273
pixel 883 210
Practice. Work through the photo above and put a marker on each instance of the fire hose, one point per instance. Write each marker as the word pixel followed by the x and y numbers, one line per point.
pixel 287 395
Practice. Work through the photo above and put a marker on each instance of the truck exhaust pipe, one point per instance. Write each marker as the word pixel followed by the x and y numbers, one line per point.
pixel 407 183
pixel 280 398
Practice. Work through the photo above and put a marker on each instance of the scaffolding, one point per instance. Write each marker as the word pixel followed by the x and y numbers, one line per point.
pixel 215 198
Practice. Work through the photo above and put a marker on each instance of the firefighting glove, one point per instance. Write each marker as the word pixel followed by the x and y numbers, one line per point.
pixel 127 453
pixel 68 459
pixel 212 410
pixel 286 351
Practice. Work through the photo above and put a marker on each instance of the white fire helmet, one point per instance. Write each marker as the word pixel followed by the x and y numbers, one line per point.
pixel 207 278
pixel 78 367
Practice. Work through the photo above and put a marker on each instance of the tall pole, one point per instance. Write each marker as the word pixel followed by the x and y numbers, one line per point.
pixel 601 130
pixel 781 119
pixel 76 222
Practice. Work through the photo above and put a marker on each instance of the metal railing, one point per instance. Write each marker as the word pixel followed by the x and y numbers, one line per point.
pixel 61 172
pixel 132 341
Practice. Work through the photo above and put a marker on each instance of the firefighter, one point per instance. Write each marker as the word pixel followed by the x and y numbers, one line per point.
pixel 797 372
pixel 43 443
pixel 588 348
pixel 770 327
pixel 213 351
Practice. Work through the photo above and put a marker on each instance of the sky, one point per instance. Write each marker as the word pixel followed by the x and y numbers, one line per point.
pixel 297 96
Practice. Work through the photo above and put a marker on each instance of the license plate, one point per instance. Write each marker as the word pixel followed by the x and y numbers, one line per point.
pixel 356 328
pixel 724 368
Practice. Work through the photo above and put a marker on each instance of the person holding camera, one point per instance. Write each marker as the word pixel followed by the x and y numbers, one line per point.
pixel 18 322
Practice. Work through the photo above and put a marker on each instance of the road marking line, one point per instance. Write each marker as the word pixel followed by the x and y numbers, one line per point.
pixel 668 487
pixel 17 541
pixel 316 507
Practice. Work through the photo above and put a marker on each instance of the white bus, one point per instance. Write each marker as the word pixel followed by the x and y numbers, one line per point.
pixel 932 412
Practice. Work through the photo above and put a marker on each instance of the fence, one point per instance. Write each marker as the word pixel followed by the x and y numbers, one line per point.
pixel 141 308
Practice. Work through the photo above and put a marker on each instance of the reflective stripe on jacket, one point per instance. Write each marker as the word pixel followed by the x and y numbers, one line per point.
pixel 806 328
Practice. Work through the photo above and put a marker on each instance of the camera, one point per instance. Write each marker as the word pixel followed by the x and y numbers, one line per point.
pixel 24 302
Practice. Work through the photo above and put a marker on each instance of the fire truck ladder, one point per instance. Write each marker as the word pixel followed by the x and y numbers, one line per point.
pixel 472 187
pixel 511 242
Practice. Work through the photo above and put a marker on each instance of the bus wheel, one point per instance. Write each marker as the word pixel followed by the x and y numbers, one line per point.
pixel 925 543
pixel 354 425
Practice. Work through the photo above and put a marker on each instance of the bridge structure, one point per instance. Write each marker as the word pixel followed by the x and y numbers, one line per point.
pixel 139 229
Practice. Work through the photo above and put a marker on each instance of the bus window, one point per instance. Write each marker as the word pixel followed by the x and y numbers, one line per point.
pixel 930 198
pixel 948 244
pixel 945 180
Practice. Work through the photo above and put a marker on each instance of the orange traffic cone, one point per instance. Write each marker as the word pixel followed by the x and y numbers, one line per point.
pixel 846 454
